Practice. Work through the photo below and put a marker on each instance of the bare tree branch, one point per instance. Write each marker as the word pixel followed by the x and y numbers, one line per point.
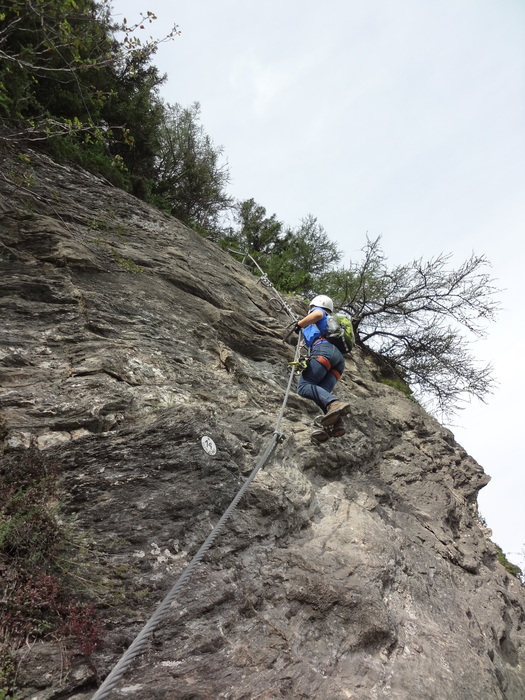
pixel 418 318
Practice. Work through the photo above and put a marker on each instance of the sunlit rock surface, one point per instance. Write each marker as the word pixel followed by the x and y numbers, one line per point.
pixel 357 569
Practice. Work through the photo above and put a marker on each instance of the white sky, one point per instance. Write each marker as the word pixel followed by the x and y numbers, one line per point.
pixel 402 119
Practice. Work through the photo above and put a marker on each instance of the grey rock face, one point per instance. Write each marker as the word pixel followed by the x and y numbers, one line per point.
pixel 356 569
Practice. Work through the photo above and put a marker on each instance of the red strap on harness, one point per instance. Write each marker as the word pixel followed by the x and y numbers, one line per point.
pixel 326 363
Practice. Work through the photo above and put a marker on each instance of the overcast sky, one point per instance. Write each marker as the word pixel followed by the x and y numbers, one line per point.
pixel 401 119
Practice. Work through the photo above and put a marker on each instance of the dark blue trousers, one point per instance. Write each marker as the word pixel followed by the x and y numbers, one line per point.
pixel 317 381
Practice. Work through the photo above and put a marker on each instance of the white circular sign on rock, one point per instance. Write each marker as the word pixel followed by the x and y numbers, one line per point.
pixel 208 445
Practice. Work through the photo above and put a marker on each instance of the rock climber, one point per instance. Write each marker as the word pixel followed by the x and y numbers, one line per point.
pixel 325 366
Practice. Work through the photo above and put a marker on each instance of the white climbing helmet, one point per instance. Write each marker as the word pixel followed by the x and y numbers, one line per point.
pixel 323 301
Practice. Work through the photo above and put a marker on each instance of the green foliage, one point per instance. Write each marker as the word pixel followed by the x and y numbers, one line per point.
pixel 292 258
pixel 190 180
pixel 94 157
pixel 37 601
pixel 29 528
pixel 7 672
pixel 397 384
pixel 513 569
pixel 134 105
pixel 48 49
pixel 255 232
pixel 126 263
pixel 64 75
pixel 301 257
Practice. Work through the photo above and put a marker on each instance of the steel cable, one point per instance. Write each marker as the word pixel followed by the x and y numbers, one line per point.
pixel 139 644
pixel 266 282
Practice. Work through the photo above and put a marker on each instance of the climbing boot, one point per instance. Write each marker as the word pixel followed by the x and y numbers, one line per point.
pixel 337 429
pixel 336 409
pixel 319 435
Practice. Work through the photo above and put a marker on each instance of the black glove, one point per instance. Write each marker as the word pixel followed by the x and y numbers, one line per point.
pixel 297 329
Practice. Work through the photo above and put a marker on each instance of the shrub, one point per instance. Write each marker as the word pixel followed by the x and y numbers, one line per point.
pixel 398 384
pixel 38 600
pixel 513 569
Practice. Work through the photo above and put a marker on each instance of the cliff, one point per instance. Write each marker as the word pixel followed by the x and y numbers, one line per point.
pixel 356 569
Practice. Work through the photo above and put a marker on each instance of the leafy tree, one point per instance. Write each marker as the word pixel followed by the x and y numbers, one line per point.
pixel 256 233
pixel 300 256
pixel 134 104
pixel 64 74
pixel 417 319
pixel 190 181
pixel 292 258
pixel 513 569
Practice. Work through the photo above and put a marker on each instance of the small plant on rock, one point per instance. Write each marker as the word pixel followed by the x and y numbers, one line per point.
pixel 38 602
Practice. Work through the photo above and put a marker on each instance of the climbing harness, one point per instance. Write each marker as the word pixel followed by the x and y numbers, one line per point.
pixel 326 363
pixel 138 645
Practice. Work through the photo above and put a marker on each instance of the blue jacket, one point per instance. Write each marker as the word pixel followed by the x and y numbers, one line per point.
pixel 315 330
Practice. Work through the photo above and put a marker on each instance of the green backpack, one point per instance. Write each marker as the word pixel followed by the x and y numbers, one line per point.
pixel 340 332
